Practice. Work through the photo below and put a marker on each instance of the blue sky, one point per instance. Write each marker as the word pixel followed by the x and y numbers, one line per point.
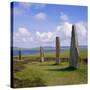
pixel 39 24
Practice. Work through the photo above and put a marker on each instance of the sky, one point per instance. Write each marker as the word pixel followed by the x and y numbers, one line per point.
pixel 36 24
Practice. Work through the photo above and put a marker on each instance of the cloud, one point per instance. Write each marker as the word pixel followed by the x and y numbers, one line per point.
pixel 65 28
pixel 20 7
pixel 22 35
pixel 45 37
pixel 23 7
pixel 40 16
pixel 64 32
pixel 82 32
pixel 81 29
pixel 64 17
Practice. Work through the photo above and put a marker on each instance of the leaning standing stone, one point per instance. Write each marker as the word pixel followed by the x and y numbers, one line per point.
pixel 74 51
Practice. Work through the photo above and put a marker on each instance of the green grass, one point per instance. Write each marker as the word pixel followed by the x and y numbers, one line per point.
pixel 83 54
pixel 48 74
pixel 29 74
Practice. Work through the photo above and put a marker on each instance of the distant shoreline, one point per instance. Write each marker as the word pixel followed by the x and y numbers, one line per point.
pixel 83 53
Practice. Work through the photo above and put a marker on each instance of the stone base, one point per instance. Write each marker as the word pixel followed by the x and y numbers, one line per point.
pixel 42 59
pixel 57 60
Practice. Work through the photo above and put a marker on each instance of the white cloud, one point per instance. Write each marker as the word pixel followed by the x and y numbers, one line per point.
pixel 26 6
pixel 64 17
pixel 22 32
pixel 81 29
pixel 22 7
pixel 22 35
pixel 45 37
pixel 82 32
pixel 40 16
pixel 64 32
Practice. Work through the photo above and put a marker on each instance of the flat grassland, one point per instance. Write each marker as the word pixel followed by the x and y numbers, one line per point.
pixel 30 72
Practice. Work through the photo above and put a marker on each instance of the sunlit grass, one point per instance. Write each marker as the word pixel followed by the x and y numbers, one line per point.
pixel 29 72
pixel 52 74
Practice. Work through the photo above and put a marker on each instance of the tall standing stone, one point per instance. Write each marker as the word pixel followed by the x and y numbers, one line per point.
pixel 74 51
pixel 41 54
pixel 20 54
pixel 57 51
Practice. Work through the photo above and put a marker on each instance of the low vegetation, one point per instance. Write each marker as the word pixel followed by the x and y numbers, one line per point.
pixel 29 72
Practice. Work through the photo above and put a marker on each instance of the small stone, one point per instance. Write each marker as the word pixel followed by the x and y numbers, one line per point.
pixel 41 54
pixel 57 51
pixel 20 54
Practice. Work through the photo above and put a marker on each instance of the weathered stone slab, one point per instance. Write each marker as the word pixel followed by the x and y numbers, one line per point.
pixel 74 50
pixel 41 54
pixel 57 51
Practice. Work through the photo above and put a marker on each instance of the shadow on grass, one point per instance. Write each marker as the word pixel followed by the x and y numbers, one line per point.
pixel 49 64
pixel 64 69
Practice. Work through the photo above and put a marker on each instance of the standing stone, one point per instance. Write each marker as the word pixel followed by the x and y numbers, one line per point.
pixel 20 54
pixel 74 51
pixel 41 54
pixel 57 51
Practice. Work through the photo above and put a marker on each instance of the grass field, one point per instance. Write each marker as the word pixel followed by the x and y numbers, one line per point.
pixel 32 74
